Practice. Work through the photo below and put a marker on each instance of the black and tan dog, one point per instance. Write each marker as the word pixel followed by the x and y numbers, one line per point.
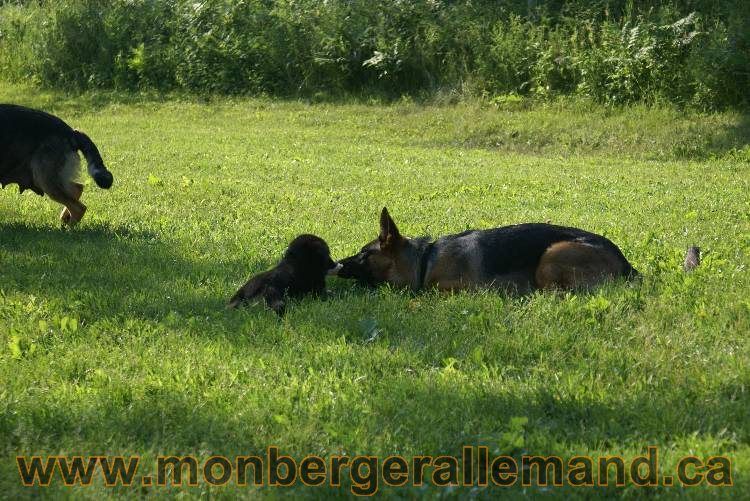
pixel 39 151
pixel 519 258
pixel 301 271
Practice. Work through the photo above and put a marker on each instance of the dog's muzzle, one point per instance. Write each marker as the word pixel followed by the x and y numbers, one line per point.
pixel 335 270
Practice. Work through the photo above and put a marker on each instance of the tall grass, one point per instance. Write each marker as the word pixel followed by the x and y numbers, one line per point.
pixel 684 51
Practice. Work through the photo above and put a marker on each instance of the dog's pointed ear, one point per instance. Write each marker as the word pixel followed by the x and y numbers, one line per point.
pixel 389 234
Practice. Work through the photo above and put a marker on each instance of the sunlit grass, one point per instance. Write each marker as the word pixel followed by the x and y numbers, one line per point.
pixel 115 339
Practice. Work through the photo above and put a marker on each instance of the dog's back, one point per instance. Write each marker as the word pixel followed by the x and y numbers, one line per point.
pixel 21 121
pixel 521 246
pixel 510 256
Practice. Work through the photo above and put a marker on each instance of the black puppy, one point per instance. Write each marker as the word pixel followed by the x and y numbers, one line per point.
pixel 303 270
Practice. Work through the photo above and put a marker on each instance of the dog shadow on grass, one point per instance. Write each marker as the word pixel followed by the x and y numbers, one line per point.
pixel 97 272
pixel 105 272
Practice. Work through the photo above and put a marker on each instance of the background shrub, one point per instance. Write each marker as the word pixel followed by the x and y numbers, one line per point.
pixel 689 52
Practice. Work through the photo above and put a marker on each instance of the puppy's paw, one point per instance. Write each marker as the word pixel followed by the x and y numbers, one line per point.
pixel 279 306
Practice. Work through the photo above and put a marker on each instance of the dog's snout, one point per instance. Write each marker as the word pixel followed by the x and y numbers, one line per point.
pixel 335 270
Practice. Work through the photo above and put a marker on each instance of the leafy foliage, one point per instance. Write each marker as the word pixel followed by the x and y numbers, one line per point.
pixel 687 52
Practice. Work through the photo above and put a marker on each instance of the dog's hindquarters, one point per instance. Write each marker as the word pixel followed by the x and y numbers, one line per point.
pixel 54 167
pixel 39 151
pixel 577 265
pixel 542 256
pixel 269 285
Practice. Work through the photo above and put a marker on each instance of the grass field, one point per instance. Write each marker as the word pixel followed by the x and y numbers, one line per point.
pixel 115 340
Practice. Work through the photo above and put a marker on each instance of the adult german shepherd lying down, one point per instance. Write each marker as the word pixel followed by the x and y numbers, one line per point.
pixel 38 151
pixel 518 258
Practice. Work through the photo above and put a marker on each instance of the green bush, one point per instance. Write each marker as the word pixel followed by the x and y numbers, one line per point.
pixel 689 52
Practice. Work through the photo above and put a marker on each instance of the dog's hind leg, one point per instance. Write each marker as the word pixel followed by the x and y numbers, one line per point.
pixel 75 190
pixel 73 210
pixel 275 300
pixel 54 167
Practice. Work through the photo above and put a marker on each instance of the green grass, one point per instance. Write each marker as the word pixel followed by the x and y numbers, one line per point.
pixel 115 340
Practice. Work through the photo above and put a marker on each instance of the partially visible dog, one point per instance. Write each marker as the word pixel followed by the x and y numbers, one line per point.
pixel 692 259
pixel 39 151
pixel 302 271
pixel 518 258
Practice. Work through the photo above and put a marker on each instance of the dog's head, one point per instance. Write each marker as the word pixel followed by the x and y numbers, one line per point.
pixel 308 252
pixel 387 259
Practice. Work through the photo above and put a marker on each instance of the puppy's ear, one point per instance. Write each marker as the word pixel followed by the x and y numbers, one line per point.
pixel 389 234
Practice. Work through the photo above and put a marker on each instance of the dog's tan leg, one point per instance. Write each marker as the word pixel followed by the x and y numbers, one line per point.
pixel 73 211
pixel 54 169
pixel 75 190
pixel 573 265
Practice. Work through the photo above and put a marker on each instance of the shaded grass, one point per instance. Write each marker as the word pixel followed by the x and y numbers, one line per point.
pixel 115 340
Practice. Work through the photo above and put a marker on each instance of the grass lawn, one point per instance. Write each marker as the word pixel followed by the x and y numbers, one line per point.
pixel 115 340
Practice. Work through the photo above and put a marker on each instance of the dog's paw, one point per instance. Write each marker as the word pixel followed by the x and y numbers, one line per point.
pixel 67 219
pixel 66 216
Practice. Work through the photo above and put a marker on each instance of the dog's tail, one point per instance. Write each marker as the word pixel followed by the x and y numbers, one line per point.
pixel 692 261
pixel 692 258
pixel 96 168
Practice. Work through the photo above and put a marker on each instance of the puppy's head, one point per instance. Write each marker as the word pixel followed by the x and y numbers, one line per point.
pixel 310 253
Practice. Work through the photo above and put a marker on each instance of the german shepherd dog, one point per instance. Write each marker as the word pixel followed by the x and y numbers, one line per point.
pixel 39 151
pixel 302 271
pixel 519 258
